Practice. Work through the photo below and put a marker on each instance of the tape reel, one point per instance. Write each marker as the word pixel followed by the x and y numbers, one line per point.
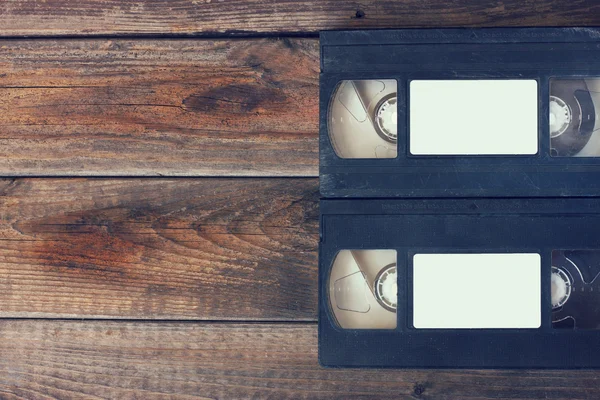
pixel 575 290
pixel 363 119
pixel 574 117
pixel 363 291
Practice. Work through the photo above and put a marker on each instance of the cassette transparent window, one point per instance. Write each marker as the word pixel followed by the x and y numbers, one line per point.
pixel 575 289
pixel 573 117
pixel 363 289
pixel 362 119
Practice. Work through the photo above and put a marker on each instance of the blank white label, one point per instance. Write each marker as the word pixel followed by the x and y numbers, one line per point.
pixel 455 291
pixel 473 117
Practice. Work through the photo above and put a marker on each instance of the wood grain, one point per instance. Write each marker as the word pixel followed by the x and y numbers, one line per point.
pixel 208 249
pixel 125 360
pixel 159 107
pixel 250 17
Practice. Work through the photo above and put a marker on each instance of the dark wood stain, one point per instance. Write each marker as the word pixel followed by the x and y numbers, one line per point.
pixel 235 99
pixel 159 107
pixel 174 249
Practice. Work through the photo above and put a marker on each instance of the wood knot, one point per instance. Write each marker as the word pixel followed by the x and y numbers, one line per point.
pixel 418 390
pixel 359 14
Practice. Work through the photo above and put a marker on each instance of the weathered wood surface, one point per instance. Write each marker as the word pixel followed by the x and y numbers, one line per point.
pixel 135 360
pixel 159 107
pixel 251 17
pixel 204 250
pixel 207 249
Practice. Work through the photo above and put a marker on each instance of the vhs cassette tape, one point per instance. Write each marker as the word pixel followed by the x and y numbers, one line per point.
pixel 494 112
pixel 481 283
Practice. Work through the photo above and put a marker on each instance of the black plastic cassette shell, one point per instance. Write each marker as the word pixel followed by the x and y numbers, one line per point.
pixel 455 226
pixel 457 204
pixel 404 55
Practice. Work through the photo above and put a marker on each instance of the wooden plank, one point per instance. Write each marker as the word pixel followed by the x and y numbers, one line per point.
pixel 247 17
pixel 125 360
pixel 208 249
pixel 159 107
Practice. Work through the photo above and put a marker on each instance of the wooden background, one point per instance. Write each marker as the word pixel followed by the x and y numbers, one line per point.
pixel 158 212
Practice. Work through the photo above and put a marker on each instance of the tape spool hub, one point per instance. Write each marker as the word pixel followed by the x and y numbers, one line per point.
pixel 386 118
pixel 386 288
pixel 561 287
pixel 560 116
